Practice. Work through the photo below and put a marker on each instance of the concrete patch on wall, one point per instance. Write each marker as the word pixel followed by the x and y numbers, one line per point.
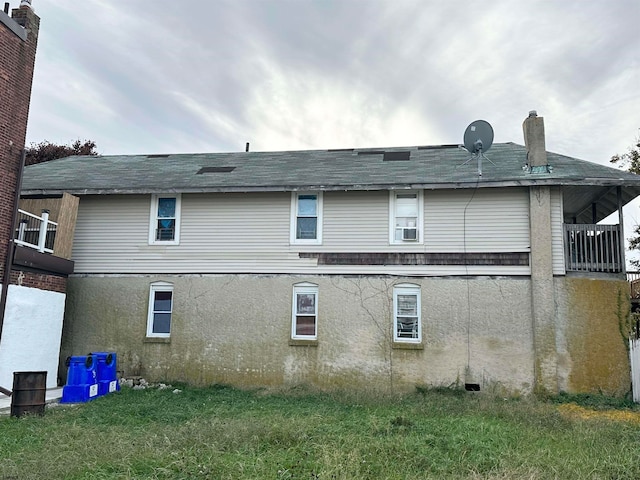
pixel 31 333
pixel 236 329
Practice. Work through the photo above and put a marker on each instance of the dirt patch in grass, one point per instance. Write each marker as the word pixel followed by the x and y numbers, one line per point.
pixel 575 411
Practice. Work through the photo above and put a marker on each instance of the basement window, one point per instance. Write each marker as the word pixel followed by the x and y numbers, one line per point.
pixel 407 325
pixel 304 318
pixel 160 310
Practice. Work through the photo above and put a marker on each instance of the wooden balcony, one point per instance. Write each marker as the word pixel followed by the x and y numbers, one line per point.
pixel 44 242
pixel 593 248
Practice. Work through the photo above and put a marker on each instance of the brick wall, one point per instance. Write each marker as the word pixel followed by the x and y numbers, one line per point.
pixel 17 58
pixel 43 281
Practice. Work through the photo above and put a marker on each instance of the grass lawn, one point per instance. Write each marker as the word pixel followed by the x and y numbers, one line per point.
pixel 223 433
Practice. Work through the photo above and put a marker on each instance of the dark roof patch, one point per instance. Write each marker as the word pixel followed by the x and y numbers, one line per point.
pixel 396 156
pixel 371 152
pixel 215 170
pixel 438 147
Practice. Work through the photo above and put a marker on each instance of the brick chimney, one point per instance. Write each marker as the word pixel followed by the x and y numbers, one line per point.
pixel 25 17
pixel 533 128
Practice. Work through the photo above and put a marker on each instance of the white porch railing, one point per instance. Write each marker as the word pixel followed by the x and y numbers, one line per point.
pixel 35 232
pixel 593 248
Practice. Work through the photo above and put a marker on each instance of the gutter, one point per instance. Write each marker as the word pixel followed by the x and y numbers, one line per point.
pixel 10 247
pixel 483 183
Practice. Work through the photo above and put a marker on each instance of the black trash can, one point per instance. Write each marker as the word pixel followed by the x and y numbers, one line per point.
pixel 29 393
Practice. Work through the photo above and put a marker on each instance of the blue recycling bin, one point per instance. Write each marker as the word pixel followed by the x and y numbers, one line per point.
pixel 106 371
pixel 82 379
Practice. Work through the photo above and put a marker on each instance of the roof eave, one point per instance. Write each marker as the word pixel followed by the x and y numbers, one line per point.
pixel 479 183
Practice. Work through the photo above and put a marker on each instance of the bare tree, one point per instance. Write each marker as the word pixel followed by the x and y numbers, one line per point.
pixel 631 162
pixel 46 151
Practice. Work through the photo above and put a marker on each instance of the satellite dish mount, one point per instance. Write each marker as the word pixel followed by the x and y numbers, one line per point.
pixel 478 138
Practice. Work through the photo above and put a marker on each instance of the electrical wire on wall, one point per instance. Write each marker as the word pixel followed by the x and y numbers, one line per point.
pixel 466 269
pixel 478 138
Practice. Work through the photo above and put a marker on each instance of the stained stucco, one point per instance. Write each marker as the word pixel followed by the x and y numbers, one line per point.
pixel 236 329
pixel 592 318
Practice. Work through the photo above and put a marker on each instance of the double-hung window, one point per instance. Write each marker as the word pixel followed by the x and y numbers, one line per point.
pixel 306 217
pixel 164 222
pixel 407 326
pixel 406 217
pixel 304 323
pixel 160 309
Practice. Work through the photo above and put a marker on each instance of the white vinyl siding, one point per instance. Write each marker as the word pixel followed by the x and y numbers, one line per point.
pixel 356 222
pixel 557 241
pixel 110 233
pixel 495 220
pixel 250 233
pixel 219 233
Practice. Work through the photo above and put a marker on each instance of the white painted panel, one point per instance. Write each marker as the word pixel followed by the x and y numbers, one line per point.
pixel 31 333
pixel 557 240
pixel 482 220
pixel 634 357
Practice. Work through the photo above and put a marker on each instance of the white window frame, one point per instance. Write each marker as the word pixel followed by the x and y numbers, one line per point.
pixel 153 220
pixel 407 289
pixel 153 288
pixel 393 194
pixel 294 220
pixel 305 289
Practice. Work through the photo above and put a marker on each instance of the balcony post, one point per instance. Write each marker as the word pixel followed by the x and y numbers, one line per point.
pixel 623 262
pixel 22 228
pixel 42 237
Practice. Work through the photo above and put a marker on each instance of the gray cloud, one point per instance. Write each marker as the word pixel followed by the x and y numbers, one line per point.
pixel 157 76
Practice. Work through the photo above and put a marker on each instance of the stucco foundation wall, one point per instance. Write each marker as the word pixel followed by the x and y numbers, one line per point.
pixel 592 324
pixel 235 329
pixel 31 333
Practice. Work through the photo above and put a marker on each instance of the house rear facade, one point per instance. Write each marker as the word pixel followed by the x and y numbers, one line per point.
pixel 376 269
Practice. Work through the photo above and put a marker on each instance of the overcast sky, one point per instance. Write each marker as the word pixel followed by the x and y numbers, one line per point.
pixel 156 76
pixel 159 76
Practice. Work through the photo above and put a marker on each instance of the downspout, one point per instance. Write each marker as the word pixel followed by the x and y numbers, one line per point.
pixel 6 279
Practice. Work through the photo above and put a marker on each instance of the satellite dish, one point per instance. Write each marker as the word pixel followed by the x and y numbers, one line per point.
pixel 478 137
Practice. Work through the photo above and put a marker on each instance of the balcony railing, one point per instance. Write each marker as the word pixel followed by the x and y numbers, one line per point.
pixel 35 232
pixel 593 248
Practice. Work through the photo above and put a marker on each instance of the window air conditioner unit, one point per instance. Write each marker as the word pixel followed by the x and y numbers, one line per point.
pixel 410 233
